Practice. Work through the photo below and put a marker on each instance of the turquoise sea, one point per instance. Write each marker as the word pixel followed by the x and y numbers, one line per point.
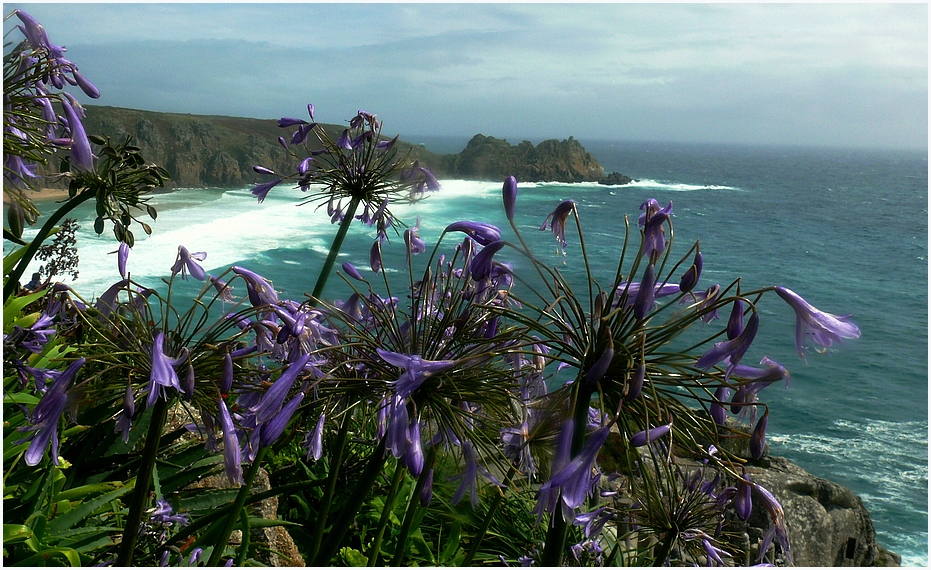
pixel 847 229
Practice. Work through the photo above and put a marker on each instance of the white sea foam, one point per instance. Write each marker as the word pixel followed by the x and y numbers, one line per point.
pixel 676 186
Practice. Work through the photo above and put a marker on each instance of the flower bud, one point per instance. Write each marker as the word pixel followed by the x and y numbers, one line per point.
pixel 635 383
pixel 690 277
pixel 509 194
pixel 758 438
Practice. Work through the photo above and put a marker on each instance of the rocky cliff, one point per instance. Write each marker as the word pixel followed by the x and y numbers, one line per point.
pixel 214 151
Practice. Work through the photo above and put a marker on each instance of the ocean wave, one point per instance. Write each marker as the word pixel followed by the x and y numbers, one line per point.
pixel 676 186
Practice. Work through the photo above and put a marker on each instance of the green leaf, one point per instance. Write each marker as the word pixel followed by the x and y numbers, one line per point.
pixel 422 547
pixel 16 533
pixel 41 558
pixel 86 509
pixel 452 542
pixel 15 305
pixel 86 491
pixel 352 557
pixel 10 259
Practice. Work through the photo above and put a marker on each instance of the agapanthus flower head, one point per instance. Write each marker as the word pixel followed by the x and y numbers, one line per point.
pixel 823 328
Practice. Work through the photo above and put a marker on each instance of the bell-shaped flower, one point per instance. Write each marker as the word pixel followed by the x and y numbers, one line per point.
pixel 717 410
pixel 482 264
pixel 313 441
pixel 743 500
pixel 824 328
pixel 468 479
pixel 645 299
pixel 556 221
pixel 416 370
pixel 635 383
pixel 47 414
pixel 186 262
pixel 651 222
pixel 272 429
pixel 344 141
pixel 735 323
pixel 576 480
pixel 260 290
pixel 733 349
pixel 81 154
pixel 598 368
pixel 226 375
pixel 274 397
pixel 163 373
pixel 481 232
pixel 231 453
pixel 260 191
pixel 415 245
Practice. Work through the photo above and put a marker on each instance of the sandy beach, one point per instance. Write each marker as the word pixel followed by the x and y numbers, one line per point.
pixel 43 194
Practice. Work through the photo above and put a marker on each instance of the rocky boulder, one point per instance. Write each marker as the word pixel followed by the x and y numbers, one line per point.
pixel 489 158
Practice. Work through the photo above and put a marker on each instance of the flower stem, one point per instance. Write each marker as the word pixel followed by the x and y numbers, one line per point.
pixel 492 510
pixel 334 250
pixel 375 549
pixel 238 504
pixel 412 507
pixel 44 232
pixel 332 476
pixel 143 481
pixel 347 513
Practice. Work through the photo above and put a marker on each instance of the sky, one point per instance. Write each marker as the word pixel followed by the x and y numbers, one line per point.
pixel 837 75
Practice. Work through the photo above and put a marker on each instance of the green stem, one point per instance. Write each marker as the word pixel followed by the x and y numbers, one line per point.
pixel 375 549
pixel 665 548
pixel 334 250
pixel 332 477
pixel 238 504
pixel 556 535
pixel 492 510
pixel 412 507
pixel 246 535
pixel 347 513
pixel 143 481
pixel 46 230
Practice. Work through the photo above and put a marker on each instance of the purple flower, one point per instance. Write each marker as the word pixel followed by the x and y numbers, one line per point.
pixel 284 122
pixel 548 495
pixel 46 415
pixel 121 257
pixel 351 271
pixel 575 480
pixel 690 277
pixel 482 264
pixel 468 477
pixel 187 262
pixel 733 349
pixel 651 222
pixel 426 494
pixel 81 154
pixel 344 141
pixel 310 111
pixel 645 300
pixel 375 257
pixel 313 441
pixel 162 514
pixel 260 290
pixel 718 411
pixel 124 423
pixel 416 370
pixel 195 556
pixel 415 245
pixel 735 323
pixel 598 368
pixel 743 502
pixel 260 191
pixel 86 86
pixel 231 457
pixel 645 437
pixel 635 383
pixel 758 438
pixel 556 221
pixel 275 426
pixel 387 144
pixel 226 378
pixel 481 232
pixel 271 401
pixel 163 374
pixel 509 195
pixel 823 328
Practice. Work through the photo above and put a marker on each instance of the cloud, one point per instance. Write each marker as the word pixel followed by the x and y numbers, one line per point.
pixel 824 74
